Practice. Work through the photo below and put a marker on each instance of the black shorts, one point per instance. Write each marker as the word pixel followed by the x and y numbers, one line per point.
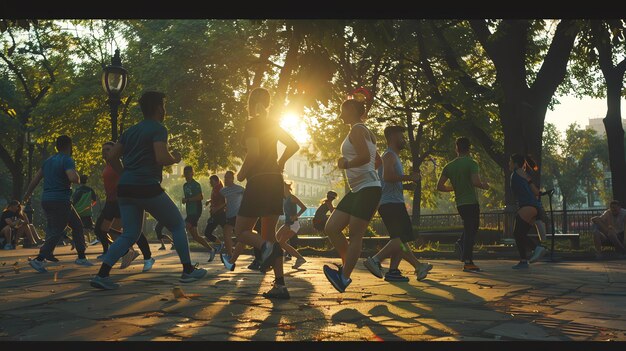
pixel 263 196
pixel 607 242
pixel 231 221
pixel 218 218
pixel 193 220
pixel 362 204
pixel 397 220
pixel 111 210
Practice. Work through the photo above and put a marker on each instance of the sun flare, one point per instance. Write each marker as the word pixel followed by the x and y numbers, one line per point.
pixel 295 126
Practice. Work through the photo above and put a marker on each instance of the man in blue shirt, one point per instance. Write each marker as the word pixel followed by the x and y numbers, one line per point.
pixel 144 151
pixel 58 172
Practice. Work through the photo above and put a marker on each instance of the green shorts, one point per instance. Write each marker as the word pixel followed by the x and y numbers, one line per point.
pixel 362 204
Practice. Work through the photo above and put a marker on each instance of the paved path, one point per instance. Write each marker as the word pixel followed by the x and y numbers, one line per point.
pixel 562 301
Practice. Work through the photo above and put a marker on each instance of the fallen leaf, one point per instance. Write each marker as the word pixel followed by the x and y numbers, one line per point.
pixel 15 264
pixel 340 299
pixel 16 270
pixel 56 274
pixel 3 263
pixel 164 299
pixel 52 291
pixel 178 292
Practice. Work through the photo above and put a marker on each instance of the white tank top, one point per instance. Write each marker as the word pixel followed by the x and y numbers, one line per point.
pixel 365 175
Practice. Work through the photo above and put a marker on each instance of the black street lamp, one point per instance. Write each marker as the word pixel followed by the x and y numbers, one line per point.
pixel 114 79
pixel 28 208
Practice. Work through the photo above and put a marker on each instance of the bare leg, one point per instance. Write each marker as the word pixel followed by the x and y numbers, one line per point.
pixel 270 223
pixel 337 222
pixel 283 235
pixel 357 228
pixel 598 237
pixel 228 238
pixel 245 236
pixel 194 234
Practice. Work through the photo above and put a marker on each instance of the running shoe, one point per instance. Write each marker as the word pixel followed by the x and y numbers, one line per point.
pixel 458 249
pixel 8 247
pixel 277 292
pixel 99 258
pixel 423 270
pixel 299 263
pixel 521 265
pixel 103 283
pixel 287 256
pixel 147 264
pixel 394 275
pixel 96 241
pixel 336 279
pixel 173 247
pixel 37 265
pixel 198 273
pixel 83 262
pixel 470 267
pixel 162 247
pixel 255 265
pixel 219 247
pixel 540 251
pixel 128 258
pixel 229 266
pixel 211 255
pixel 270 253
pixel 374 267
pixel 51 259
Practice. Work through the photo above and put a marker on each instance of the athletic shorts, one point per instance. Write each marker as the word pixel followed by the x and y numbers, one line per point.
pixel 111 210
pixel 362 204
pixel 397 220
pixel 231 220
pixel 294 227
pixel 263 196
pixel 607 242
pixel 219 218
pixel 193 220
pixel 87 222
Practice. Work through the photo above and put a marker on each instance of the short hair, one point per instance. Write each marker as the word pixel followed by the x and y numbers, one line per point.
pixel 615 202
pixel 62 142
pixel 331 194
pixel 463 144
pixel 214 178
pixel 187 168
pixel 230 172
pixel 357 106
pixel 109 143
pixel 150 101
pixel 84 178
pixel 391 130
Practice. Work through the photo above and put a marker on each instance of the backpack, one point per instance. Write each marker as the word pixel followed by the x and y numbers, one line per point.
pixel 83 202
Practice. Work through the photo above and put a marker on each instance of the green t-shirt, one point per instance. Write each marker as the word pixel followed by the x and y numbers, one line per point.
pixel 460 171
pixel 192 189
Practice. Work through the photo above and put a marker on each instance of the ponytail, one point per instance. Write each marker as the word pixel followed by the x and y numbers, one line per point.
pixel 525 161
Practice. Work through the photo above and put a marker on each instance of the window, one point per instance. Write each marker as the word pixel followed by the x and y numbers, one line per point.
pixel 297 169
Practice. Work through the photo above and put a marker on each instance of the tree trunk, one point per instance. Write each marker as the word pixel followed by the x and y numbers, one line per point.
pixel 615 136
pixel 417 203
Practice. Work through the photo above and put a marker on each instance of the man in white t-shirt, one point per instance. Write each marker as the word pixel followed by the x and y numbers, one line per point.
pixel 609 229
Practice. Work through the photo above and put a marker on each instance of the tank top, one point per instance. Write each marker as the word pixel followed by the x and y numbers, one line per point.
pixel 392 191
pixel 290 208
pixel 365 175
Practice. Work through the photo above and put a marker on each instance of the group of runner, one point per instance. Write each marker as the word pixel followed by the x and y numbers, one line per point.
pixel 133 174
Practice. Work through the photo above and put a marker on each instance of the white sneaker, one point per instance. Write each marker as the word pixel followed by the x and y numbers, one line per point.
pixel 374 267
pixel 96 241
pixel 423 270
pixel 147 264
pixel 83 262
pixel 540 251
pixel 299 263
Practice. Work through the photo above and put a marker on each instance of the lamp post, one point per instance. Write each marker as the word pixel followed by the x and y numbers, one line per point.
pixel 114 79
pixel 28 208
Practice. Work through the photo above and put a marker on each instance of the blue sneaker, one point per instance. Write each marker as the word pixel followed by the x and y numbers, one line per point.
pixel 394 275
pixel 521 265
pixel 211 255
pixel 220 247
pixel 103 283
pixel 147 264
pixel 336 279
pixel 271 251
pixel 37 265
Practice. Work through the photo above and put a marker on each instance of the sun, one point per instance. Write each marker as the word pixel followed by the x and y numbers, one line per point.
pixel 295 126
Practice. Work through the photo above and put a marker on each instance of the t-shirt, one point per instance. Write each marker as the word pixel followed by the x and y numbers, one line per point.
pixel 523 193
pixel 266 132
pixel 233 195
pixel 320 213
pixel 392 192
pixel 460 171
pixel 56 184
pixel 616 221
pixel 83 199
pixel 191 189
pixel 290 208
pixel 7 214
pixel 110 179
pixel 140 166
pixel 217 199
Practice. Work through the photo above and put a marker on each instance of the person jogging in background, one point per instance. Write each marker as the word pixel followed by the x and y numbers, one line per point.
pixel 58 172
pixel 530 209
pixel 394 214
pixel 84 199
pixel 144 151
pixel 463 174
pixel 158 229
pixel 233 193
pixel 321 214
pixel 360 160
pixel 291 226
pixel 193 205
pixel 217 208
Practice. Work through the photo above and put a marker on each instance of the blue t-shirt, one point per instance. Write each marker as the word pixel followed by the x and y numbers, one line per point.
pixel 233 195
pixel 290 208
pixel 140 166
pixel 56 184
pixel 391 191
pixel 522 191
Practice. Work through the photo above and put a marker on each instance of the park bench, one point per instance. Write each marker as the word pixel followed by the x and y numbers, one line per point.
pixel 574 238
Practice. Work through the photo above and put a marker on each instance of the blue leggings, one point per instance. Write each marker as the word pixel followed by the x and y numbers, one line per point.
pixel 162 208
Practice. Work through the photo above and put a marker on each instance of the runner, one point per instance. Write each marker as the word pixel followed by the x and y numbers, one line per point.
pixel 463 174
pixel 530 209
pixel 321 214
pixel 158 229
pixel 144 150
pixel 84 199
pixel 58 172
pixel 193 205
pixel 233 194
pixel 360 160
pixel 291 226
pixel 108 222
pixel 217 209
pixel 393 212
pixel 263 194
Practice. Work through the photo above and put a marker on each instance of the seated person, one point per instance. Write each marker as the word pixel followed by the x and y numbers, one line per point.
pixel 10 222
pixel 609 229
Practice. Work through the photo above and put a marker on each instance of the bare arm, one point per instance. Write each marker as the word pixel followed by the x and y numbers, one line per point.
pixel 299 203
pixel 379 161
pixel 291 147
pixel 477 182
pixel 163 155
pixel 330 205
pixel 441 184
pixel 601 221
pixel 390 174
pixel 113 158
pixel 33 184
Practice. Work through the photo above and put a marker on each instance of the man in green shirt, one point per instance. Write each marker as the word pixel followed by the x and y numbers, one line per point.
pixel 463 174
pixel 193 203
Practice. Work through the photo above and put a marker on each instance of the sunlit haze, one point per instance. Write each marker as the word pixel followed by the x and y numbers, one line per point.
pixel 295 126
